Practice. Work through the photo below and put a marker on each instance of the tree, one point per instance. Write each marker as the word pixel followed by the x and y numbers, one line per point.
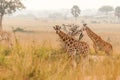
pixel 106 9
pixel 9 7
pixel 117 11
pixel 75 11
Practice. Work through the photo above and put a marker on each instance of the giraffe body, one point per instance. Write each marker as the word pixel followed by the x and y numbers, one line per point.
pixel 98 42
pixel 73 46
pixel 5 36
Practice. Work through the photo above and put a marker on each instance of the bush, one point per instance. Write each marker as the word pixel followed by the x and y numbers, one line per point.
pixel 18 29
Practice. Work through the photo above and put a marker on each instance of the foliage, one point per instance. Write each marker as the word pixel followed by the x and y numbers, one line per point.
pixel 106 9
pixel 117 12
pixel 34 62
pixel 75 11
pixel 39 62
pixel 9 7
pixel 42 63
pixel 18 29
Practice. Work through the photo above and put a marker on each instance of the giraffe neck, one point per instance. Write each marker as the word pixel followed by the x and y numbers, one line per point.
pixel 65 38
pixel 93 36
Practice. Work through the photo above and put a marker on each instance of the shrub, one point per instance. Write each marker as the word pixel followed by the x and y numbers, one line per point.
pixel 18 29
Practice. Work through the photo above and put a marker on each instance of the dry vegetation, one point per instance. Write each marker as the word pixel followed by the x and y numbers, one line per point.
pixel 38 55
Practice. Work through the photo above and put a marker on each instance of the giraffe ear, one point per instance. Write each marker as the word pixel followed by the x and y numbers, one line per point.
pixel 84 24
pixel 54 27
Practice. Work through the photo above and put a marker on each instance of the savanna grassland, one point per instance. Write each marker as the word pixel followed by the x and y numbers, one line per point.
pixel 37 55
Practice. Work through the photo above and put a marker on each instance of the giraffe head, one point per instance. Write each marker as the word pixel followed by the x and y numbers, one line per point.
pixel 57 28
pixel 84 27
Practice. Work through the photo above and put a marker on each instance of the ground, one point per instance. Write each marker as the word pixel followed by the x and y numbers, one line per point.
pixel 38 56
pixel 44 31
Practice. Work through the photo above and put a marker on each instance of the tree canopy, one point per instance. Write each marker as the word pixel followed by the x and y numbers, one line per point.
pixel 75 11
pixel 106 9
pixel 8 7
pixel 117 11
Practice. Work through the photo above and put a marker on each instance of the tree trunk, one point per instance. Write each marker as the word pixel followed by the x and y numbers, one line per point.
pixel 1 18
pixel 75 20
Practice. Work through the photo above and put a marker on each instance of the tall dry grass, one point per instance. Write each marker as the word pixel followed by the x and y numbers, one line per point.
pixel 33 62
pixel 28 60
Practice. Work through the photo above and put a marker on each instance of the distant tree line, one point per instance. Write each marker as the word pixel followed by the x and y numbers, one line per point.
pixel 107 9
pixel 75 10
pixel 117 11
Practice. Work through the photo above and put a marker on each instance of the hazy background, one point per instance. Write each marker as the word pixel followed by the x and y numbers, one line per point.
pixel 45 8
pixel 38 54
pixel 39 13
pixel 67 4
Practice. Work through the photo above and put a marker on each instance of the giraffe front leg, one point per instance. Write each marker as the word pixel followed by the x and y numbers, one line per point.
pixel 74 64
pixel 65 48
pixel 109 51
pixel 72 55
pixel 95 48
pixel 10 43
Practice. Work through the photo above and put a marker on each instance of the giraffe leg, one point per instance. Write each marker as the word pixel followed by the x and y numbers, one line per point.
pixel 84 63
pixel 95 48
pixel 108 50
pixel 9 42
pixel 74 64
pixel 72 54
pixel 111 51
pixel 65 48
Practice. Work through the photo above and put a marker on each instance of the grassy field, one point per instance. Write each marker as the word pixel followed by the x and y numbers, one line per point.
pixel 38 55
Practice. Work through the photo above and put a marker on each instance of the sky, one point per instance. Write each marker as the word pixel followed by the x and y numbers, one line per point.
pixel 67 4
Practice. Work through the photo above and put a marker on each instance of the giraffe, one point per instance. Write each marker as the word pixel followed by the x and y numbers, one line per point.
pixel 98 43
pixel 5 36
pixel 73 46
